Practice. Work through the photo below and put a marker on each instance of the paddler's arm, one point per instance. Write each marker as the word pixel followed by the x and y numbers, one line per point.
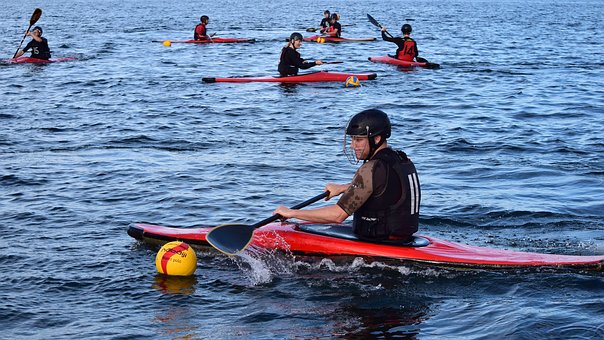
pixel 329 214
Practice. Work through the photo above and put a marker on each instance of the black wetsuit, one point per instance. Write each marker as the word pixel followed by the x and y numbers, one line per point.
pixel 39 50
pixel 291 61
pixel 335 26
pixel 407 48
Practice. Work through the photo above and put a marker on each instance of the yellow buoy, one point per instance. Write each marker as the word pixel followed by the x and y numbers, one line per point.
pixel 167 43
pixel 176 258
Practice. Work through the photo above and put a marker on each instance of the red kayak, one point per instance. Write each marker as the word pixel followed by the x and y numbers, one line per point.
pixel 393 61
pixel 25 60
pixel 313 77
pixel 338 240
pixel 326 38
pixel 210 41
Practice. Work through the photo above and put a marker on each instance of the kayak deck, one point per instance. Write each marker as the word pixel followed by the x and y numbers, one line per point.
pixel 338 240
pixel 402 63
pixel 29 60
pixel 210 41
pixel 326 38
pixel 313 77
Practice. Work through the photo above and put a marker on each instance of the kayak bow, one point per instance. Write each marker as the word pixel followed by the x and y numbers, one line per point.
pixel 313 77
pixel 338 240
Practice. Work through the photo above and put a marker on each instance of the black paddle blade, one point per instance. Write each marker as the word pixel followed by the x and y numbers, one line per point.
pixel 35 16
pixel 311 29
pixel 373 21
pixel 230 238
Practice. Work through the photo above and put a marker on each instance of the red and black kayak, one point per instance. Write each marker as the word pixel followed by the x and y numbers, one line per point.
pixel 402 63
pixel 28 60
pixel 210 41
pixel 338 240
pixel 313 77
pixel 327 38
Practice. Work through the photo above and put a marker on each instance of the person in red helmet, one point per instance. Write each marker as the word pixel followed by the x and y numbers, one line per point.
pixel 384 194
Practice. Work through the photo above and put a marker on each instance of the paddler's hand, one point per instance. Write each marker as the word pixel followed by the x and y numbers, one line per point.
pixel 335 190
pixel 319 62
pixel 384 29
pixel 285 212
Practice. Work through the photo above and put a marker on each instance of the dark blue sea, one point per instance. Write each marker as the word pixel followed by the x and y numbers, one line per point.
pixel 507 137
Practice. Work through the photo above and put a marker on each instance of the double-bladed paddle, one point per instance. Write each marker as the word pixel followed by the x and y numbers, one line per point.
pixel 34 18
pixel 233 238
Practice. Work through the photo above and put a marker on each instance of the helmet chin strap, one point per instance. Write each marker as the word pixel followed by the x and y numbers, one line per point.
pixel 372 146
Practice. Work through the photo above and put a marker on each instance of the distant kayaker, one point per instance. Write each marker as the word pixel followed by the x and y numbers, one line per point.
pixel 200 30
pixel 407 47
pixel 335 29
pixel 291 61
pixel 325 21
pixel 38 45
pixel 384 194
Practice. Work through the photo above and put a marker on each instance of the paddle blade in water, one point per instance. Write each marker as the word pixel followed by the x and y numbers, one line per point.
pixel 230 238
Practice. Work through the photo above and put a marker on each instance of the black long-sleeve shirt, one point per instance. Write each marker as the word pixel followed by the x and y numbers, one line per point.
pixel 400 42
pixel 291 62
pixel 39 49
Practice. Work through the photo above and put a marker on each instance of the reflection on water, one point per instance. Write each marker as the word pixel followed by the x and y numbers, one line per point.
pixel 175 284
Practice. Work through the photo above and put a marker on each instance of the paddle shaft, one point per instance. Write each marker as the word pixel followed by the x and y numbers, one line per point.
pixel 34 18
pixel 298 206
pixel 377 24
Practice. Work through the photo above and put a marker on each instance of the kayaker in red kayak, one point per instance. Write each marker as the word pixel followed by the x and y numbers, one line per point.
pixel 200 30
pixel 291 61
pixel 38 45
pixel 407 47
pixel 335 29
pixel 384 194
pixel 325 21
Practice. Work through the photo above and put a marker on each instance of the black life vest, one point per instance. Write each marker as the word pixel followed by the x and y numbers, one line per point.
pixel 394 212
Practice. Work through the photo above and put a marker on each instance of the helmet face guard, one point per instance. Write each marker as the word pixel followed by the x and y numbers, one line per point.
pixel 367 124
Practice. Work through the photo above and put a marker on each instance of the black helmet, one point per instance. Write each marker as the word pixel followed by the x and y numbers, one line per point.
pixel 369 123
pixel 296 36
pixel 406 28
pixel 38 28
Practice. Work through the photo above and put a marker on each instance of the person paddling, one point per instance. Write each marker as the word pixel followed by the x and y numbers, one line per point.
pixel 407 47
pixel 291 61
pixel 384 195
pixel 325 21
pixel 38 45
pixel 335 29
pixel 200 32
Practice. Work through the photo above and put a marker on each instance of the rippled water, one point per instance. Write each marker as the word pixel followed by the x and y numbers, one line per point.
pixel 506 136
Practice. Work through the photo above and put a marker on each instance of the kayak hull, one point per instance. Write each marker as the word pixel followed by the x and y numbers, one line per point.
pixel 338 240
pixel 28 60
pixel 212 41
pixel 401 63
pixel 315 38
pixel 313 77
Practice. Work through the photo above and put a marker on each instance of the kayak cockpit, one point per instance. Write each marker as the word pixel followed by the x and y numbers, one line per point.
pixel 345 232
